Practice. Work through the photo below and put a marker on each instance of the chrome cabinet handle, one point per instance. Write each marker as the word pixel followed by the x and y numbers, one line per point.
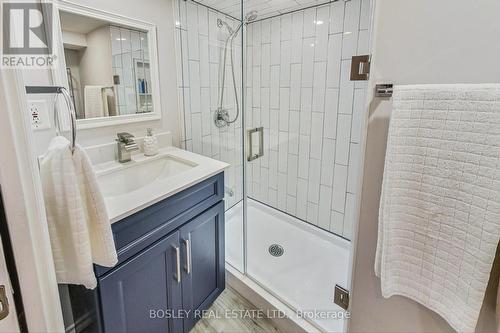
pixel 187 267
pixel 177 275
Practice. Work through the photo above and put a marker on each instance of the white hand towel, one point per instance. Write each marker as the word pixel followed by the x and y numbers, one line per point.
pixel 79 227
pixel 439 219
pixel 96 102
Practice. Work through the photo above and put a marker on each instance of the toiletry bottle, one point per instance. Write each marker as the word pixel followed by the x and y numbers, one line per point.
pixel 150 143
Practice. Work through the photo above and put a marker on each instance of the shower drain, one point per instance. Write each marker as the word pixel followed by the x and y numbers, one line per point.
pixel 276 250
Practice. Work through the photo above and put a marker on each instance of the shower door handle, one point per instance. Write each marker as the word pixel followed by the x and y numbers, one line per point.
pixel 251 132
pixel 360 68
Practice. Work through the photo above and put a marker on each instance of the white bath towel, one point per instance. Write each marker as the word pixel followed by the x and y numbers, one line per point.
pixel 79 227
pixel 96 102
pixel 439 219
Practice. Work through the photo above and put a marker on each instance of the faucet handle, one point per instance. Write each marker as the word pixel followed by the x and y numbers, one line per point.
pixel 125 137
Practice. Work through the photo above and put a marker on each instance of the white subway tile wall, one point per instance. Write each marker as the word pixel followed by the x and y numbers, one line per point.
pixel 129 50
pixel 315 115
pixel 265 8
pixel 200 43
pixel 298 89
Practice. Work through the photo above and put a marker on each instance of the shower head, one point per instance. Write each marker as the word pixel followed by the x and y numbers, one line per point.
pixel 221 23
pixel 221 116
pixel 251 16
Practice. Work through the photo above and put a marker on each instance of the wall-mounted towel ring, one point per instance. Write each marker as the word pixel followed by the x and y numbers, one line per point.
pixel 69 103
pixel 72 113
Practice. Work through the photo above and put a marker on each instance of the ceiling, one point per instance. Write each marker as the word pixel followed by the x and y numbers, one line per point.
pixel 264 8
pixel 78 23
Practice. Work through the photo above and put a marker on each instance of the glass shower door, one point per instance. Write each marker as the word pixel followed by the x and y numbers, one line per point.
pixel 209 88
pixel 292 140
pixel 302 189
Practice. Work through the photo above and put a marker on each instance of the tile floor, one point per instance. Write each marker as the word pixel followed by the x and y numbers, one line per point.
pixel 234 302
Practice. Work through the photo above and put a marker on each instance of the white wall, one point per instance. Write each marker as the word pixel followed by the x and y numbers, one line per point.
pixel 160 13
pixel 425 41
pixel 95 59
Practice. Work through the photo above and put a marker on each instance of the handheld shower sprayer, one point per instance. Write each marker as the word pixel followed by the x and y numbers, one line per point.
pixel 221 116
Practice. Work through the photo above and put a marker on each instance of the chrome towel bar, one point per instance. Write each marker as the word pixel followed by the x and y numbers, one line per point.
pixel 384 90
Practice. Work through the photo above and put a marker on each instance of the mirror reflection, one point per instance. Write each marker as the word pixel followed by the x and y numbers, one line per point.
pixel 107 67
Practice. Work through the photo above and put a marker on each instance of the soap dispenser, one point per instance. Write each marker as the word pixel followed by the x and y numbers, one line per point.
pixel 150 143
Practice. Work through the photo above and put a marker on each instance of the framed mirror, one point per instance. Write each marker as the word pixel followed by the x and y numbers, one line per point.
pixel 110 66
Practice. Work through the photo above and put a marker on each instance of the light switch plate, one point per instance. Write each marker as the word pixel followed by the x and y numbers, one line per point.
pixel 39 114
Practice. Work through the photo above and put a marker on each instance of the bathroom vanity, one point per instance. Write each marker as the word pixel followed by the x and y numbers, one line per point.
pixel 167 215
pixel 171 258
pixel 166 211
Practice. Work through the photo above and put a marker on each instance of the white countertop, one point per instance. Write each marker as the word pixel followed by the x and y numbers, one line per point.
pixel 123 205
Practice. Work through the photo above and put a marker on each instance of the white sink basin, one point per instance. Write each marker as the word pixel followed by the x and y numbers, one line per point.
pixel 137 175
pixel 128 188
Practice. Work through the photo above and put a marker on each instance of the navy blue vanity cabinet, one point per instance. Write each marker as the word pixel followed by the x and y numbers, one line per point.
pixel 170 262
pixel 203 274
pixel 135 296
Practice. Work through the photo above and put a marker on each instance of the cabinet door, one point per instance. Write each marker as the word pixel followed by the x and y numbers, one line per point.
pixel 203 273
pixel 135 295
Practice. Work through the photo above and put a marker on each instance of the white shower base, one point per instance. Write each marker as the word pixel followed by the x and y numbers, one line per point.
pixel 304 277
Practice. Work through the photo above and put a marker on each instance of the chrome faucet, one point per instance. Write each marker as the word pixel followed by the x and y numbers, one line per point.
pixel 126 144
